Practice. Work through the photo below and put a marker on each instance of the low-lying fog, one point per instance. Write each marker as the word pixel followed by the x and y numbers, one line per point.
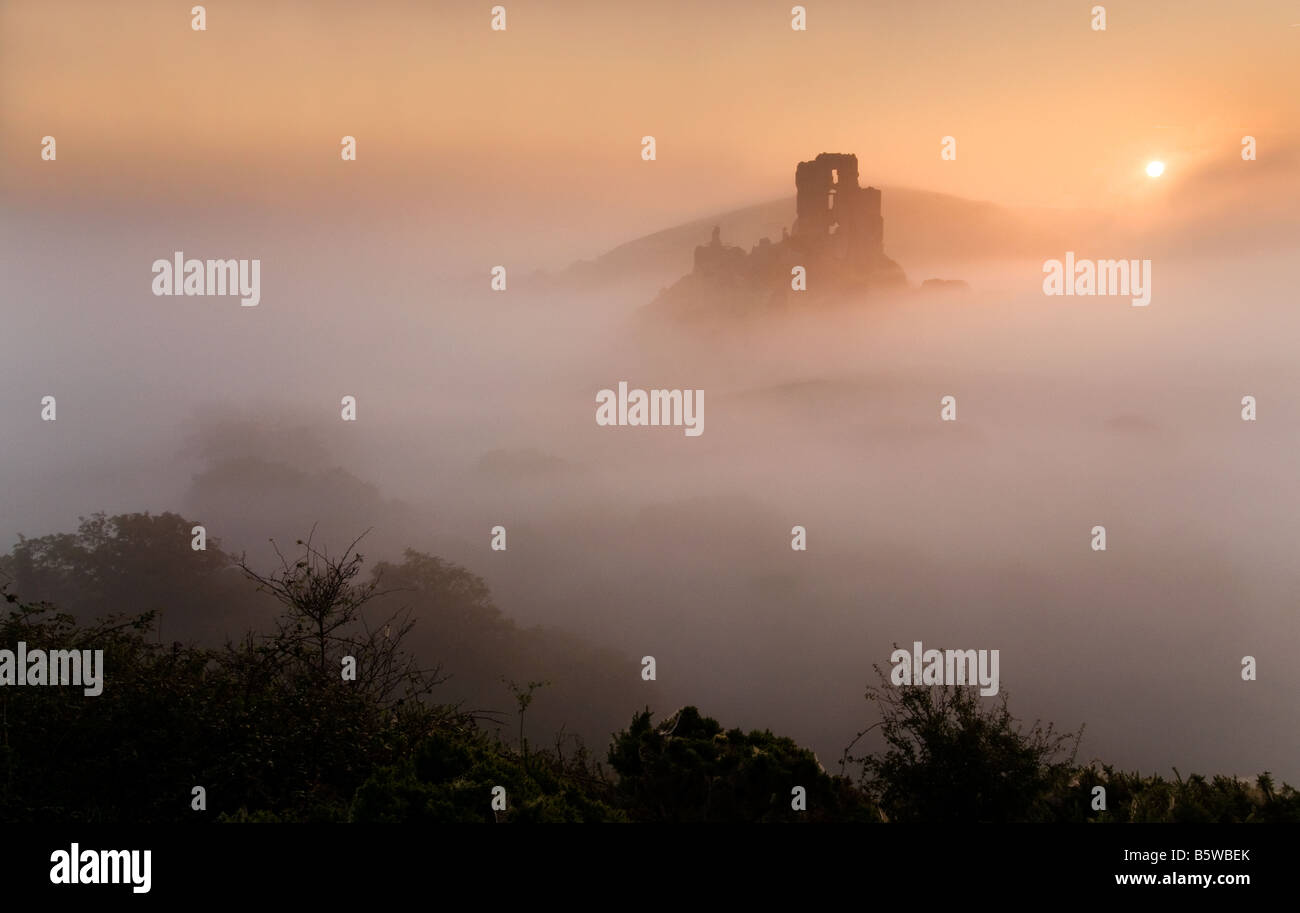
pixel 476 408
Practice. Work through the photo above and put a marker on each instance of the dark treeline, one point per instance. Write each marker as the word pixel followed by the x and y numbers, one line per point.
pixel 354 693
pixel 137 563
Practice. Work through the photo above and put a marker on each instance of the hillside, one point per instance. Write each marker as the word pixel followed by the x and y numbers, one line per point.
pixel 922 229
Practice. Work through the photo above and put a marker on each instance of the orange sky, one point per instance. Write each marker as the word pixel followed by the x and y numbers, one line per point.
pixel 543 122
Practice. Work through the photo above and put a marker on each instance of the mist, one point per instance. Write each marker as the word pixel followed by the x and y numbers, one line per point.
pixel 475 409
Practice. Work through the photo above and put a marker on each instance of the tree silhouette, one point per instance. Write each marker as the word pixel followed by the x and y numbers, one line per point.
pixel 948 757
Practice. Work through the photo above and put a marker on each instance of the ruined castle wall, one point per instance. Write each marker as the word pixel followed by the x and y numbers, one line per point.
pixel 837 237
pixel 835 216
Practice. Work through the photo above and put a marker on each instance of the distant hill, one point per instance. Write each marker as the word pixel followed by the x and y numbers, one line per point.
pixel 921 229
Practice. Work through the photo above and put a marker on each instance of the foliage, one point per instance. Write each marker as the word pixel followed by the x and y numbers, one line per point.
pixel 139 562
pixel 689 769
pixel 262 725
pixel 949 757
pixel 1132 798
pixel 274 732
pixel 451 776
pixel 136 563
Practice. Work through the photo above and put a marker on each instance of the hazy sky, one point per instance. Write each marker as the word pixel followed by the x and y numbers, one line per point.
pixel 492 138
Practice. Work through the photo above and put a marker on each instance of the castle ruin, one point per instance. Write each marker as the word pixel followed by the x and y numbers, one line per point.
pixel 837 237
pixel 834 214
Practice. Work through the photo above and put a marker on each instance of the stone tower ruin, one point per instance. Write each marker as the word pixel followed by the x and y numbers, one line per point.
pixel 834 214
pixel 836 241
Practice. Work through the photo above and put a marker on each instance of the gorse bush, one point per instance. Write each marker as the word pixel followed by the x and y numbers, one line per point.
pixel 949 756
pixel 452 773
pixel 1132 798
pixel 688 768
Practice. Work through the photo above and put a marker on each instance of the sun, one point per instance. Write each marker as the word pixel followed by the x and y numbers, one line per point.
pixel 1155 169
